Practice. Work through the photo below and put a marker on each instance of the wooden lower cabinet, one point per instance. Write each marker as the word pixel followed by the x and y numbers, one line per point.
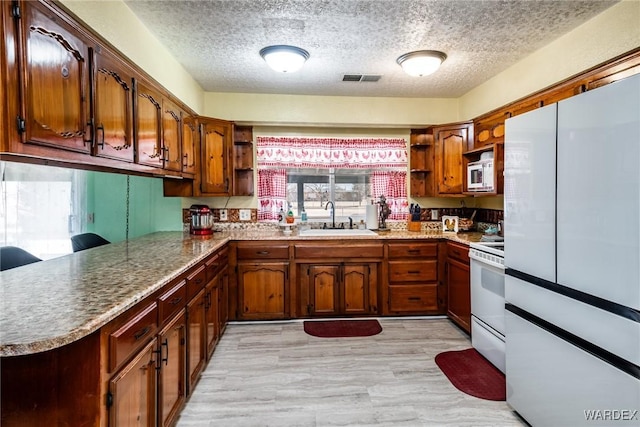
pixel 223 300
pixel 171 375
pixel 413 279
pixel 262 290
pixel 196 325
pixel 133 390
pixel 337 289
pixel 457 274
pixel 211 315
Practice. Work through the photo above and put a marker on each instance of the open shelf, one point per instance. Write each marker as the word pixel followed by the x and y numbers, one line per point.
pixel 243 176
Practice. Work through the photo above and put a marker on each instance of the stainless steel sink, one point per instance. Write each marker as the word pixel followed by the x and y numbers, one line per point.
pixel 336 232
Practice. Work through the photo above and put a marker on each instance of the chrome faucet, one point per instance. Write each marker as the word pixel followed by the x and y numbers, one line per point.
pixel 333 213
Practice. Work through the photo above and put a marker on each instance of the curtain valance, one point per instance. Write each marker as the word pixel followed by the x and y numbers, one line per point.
pixel 352 153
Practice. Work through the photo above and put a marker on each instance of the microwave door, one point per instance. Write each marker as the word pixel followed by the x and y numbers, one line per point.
pixel 475 177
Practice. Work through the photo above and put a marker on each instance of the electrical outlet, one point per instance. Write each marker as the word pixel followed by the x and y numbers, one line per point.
pixel 224 215
pixel 90 218
pixel 245 214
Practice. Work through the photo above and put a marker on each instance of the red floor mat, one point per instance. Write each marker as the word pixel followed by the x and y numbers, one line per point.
pixel 342 328
pixel 471 373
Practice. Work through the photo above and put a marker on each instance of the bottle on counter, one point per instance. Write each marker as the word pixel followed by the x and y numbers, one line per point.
pixel 303 215
pixel 281 216
pixel 290 218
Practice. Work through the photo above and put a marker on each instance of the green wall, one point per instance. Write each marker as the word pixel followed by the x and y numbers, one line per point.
pixel 149 210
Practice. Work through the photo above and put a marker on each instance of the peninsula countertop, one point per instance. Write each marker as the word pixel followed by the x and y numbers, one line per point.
pixel 52 303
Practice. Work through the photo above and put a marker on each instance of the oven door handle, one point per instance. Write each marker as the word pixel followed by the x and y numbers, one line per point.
pixel 485 261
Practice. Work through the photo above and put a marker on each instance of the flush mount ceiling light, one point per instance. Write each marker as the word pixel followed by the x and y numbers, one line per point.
pixel 421 62
pixel 284 58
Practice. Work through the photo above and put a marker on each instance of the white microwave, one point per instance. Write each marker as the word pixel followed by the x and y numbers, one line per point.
pixel 480 176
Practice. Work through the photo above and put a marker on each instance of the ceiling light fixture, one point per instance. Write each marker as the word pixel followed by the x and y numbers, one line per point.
pixel 421 62
pixel 284 58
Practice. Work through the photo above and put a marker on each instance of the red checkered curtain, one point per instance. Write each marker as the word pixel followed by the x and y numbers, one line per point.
pixel 272 192
pixel 393 186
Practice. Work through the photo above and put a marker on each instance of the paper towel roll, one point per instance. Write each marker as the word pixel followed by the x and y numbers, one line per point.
pixel 372 217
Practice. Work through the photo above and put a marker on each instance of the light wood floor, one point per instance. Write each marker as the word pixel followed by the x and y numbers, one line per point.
pixel 273 374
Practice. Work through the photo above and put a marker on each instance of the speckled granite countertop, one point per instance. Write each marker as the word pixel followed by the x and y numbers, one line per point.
pixel 53 303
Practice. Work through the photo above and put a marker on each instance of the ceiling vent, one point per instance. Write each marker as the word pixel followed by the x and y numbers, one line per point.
pixel 361 77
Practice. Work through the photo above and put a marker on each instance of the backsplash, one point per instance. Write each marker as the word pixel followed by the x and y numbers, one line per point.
pixel 483 219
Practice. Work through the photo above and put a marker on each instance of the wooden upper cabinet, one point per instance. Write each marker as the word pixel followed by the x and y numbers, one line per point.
pixel 215 146
pixel 55 95
pixel 190 141
pixel 148 125
pixel 113 127
pixel 451 142
pixel 171 136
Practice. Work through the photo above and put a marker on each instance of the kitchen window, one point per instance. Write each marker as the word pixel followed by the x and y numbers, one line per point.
pixel 309 172
pixel 41 207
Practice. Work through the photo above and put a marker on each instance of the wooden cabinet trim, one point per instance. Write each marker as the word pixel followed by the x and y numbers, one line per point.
pixel 171 301
pixel 132 335
pixel 332 251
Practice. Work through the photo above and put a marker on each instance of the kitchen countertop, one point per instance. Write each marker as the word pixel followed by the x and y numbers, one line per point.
pixel 52 303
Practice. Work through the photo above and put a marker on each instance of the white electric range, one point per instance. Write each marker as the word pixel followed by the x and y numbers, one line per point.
pixel 487 301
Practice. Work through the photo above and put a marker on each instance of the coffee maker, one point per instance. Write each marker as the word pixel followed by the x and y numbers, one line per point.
pixel 201 220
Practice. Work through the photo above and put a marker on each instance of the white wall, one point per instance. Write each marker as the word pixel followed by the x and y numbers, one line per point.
pixel 612 33
pixel 615 31
pixel 114 21
pixel 339 111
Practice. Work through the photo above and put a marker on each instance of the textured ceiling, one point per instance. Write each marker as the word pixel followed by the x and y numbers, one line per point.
pixel 218 42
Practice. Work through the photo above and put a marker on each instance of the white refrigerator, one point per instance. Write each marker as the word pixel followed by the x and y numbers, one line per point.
pixel 572 258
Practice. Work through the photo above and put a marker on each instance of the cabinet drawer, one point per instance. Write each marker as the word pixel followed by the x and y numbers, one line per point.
pixel 196 281
pixel 335 251
pixel 132 335
pixel 411 250
pixel 458 251
pixel 413 271
pixel 263 252
pixel 172 301
pixel 413 298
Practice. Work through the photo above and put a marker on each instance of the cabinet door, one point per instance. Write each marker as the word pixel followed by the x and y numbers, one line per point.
pixel 148 124
pixel 459 293
pixel 324 289
pixel 171 140
pixel 195 339
pixel 450 144
pixel 211 315
pixel 356 288
pixel 55 96
pixel 171 386
pixel 223 300
pixel 214 170
pixel 262 290
pixel 113 113
pixel 190 140
pixel 133 391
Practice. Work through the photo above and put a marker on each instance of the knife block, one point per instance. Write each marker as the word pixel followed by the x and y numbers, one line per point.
pixel 414 225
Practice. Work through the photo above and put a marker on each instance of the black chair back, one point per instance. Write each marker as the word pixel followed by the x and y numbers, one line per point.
pixel 80 242
pixel 12 257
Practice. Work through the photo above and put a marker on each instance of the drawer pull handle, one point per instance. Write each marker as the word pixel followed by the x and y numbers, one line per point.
pixel 175 300
pixel 414 251
pixel 413 272
pixel 198 281
pixel 165 344
pixel 142 332
pixel 262 253
pixel 414 298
